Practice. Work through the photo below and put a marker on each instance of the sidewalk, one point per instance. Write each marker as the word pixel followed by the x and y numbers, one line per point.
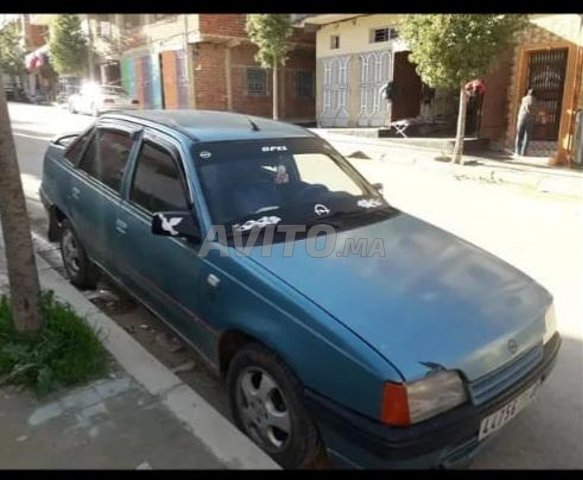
pixel 492 168
pixel 141 416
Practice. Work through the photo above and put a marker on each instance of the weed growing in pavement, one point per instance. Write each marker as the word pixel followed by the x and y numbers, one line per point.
pixel 66 352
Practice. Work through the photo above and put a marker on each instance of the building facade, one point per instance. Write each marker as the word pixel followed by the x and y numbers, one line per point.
pixel 548 57
pixel 219 71
pixel 356 56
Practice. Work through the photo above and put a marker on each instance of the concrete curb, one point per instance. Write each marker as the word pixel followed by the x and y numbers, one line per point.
pixel 224 440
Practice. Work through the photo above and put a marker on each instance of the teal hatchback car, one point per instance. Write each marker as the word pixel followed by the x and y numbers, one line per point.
pixel 338 321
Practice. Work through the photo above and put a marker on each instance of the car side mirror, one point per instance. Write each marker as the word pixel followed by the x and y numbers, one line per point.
pixel 176 224
pixel 64 140
pixel 378 186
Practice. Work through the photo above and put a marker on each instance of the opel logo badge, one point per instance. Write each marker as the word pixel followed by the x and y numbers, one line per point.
pixel 512 346
pixel 320 209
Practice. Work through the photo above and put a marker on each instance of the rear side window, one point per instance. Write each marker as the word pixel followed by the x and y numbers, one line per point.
pixel 157 184
pixel 73 153
pixel 106 157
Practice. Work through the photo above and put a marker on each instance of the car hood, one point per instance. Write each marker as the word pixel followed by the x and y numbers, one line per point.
pixel 432 300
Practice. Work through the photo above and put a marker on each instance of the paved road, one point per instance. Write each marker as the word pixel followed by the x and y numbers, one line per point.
pixel 538 233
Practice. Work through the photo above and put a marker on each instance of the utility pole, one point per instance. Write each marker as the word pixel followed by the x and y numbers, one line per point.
pixel 188 66
pixel 90 48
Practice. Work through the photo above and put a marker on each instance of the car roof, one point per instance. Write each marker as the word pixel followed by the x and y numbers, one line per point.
pixel 216 126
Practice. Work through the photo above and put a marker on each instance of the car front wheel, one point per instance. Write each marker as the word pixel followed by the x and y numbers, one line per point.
pixel 266 403
pixel 81 271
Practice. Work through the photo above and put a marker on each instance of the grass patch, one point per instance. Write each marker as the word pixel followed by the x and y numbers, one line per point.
pixel 66 352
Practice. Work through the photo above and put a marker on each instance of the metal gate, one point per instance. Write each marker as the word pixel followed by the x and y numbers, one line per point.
pixel 546 74
pixel 375 70
pixel 335 91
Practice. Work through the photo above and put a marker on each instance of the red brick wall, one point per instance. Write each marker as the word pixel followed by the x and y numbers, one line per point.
pixel 296 107
pixel 210 81
pixel 233 24
pixel 494 107
pixel 241 59
pixel 229 24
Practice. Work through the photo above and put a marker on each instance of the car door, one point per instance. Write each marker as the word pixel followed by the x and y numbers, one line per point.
pixel 95 187
pixel 163 271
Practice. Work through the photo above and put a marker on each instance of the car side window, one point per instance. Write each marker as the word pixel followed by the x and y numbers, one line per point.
pixel 73 153
pixel 157 184
pixel 106 157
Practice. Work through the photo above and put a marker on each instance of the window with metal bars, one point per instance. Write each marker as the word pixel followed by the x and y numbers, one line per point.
pixel 256 81
pixel 379 35
pixel 304 84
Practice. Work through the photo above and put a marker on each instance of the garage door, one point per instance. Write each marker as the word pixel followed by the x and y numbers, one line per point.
pixel 375 71
pixel 335 91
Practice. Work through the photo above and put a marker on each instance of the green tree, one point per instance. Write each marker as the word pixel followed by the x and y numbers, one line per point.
pixel 451 50
pixel 11 51
pixel 68 45
pixel 271 33
pixel 22 274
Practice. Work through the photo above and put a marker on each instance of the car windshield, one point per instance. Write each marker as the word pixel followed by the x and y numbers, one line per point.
pixel 109 90
pixel 291 181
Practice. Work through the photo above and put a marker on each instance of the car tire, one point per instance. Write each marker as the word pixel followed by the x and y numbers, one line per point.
pixel 278 401
pixel 82 272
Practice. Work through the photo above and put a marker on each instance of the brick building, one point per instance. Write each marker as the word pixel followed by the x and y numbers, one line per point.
pixel 549 58
pixel 220 72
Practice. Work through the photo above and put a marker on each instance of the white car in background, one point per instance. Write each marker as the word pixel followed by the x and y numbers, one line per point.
pixel 94 99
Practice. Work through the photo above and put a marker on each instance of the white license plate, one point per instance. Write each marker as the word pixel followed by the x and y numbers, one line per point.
pixel 494 422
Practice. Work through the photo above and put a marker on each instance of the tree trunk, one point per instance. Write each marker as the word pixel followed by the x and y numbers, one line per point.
pixel 275 93
pixel 458 149
pixel 22 272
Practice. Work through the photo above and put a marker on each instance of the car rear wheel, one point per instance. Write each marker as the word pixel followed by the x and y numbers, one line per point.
pixel 266 403
pixel 81 271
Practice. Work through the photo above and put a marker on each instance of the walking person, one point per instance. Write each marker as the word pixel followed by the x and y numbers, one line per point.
pixel 525 122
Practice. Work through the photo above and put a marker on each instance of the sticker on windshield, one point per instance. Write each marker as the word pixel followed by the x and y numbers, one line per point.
pixel 169 224
pixel 320 209
pixel 369 203
pixel 274 148
pixel 205 155
pixel 259 223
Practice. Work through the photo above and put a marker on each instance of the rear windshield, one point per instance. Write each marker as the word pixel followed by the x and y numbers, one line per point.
pixel 295 180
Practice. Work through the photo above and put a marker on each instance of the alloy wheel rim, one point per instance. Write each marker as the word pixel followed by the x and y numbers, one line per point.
pixel 263 409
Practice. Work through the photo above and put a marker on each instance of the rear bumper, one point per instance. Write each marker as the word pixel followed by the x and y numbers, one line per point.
pixel 449 440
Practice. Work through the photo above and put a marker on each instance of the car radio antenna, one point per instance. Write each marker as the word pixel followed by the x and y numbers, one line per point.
pixel 253 125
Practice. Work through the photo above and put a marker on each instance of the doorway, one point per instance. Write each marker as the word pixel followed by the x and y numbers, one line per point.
pixel 406 88
pixel 546 74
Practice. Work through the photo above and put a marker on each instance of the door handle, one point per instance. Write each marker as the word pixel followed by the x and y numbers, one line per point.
pixel 213 281
pixel 75 193
pixel 121 226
